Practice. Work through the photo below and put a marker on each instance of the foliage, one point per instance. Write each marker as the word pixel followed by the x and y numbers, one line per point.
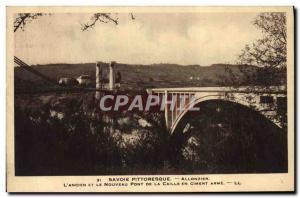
pixel 269 51
pixel 232 139
pixel 68 135
pixel 268 54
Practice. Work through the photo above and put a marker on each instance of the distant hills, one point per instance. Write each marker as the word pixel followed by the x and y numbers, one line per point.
pixel 142 76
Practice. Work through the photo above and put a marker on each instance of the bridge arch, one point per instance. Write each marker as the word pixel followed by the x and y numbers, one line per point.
pixel 200 100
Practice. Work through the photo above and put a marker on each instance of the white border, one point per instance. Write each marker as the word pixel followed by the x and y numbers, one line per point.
pixel 4 3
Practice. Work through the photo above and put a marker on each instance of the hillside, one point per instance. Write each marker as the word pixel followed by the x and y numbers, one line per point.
pixel 141 76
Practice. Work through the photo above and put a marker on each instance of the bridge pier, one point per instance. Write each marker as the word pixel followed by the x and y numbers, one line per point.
pixel 166 109
pixel 98 79
pixel 112 75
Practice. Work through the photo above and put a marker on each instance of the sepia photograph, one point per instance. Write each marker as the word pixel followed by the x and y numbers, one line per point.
pixel 148 99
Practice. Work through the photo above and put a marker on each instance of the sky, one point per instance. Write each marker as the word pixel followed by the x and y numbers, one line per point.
pixel 181 38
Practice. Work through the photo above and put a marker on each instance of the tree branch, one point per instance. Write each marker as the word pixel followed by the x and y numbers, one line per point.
pixel 23 18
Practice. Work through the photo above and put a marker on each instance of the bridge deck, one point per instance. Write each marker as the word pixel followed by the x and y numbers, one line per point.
pixel 243 89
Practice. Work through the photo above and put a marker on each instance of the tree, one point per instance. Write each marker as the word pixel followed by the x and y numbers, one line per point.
pixel 102 18
pixel 270 51
pixel 23 18
pixel 263 63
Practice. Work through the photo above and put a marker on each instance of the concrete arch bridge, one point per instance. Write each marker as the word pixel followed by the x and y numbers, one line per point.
pixel 271 102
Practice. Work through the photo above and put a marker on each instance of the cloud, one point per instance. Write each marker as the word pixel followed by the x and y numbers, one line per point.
pixel 183 38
